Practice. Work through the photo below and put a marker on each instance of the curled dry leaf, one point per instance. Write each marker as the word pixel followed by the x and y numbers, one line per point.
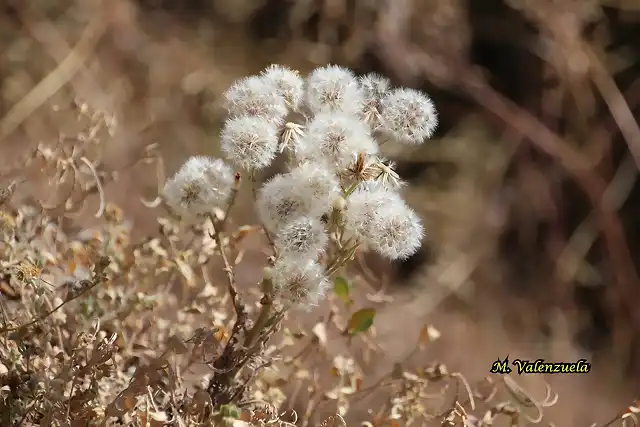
pixel 320 332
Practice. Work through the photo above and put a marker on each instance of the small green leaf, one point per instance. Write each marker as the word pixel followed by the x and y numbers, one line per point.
pixel 230 411
pixel 341 288
pixel 361 320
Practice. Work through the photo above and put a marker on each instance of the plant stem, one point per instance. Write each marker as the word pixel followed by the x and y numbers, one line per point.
pixel 265 311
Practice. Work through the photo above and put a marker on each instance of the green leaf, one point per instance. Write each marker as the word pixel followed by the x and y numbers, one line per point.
pixel 230 411
pixel 361 320
pixel 341 288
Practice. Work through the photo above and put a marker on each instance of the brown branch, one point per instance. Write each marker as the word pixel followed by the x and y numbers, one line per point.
pixel 582 172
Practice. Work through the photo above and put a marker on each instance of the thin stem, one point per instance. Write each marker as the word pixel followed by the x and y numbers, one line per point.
pixel 254 190
pixel 263 317
pixel 232 201
pixel 227 266
pixel 50 312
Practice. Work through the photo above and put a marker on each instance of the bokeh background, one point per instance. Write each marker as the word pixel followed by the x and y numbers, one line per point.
pixel 528 189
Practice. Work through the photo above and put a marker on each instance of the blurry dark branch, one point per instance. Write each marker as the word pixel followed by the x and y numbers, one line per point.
pixel 591 184
pixel 620 110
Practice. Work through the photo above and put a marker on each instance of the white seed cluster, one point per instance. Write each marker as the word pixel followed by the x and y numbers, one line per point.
pixel 200 185
pixel 328 125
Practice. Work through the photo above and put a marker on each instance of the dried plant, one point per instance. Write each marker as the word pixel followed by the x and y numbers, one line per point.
pixel 101 330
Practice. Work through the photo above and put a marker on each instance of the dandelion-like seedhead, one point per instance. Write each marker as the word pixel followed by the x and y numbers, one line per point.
pixel 278 200
pixel 304 237
pixel 335 137
pixel 251 143
pixel 307 190
pixel 318 182
pixel 200 185
pixel 256 96
pixel 333 89
pixel 380 218
pixel 408 115
pixel 396 231
pixel 300 281
pixel 374 89
pixel 287 82
pixel 368 197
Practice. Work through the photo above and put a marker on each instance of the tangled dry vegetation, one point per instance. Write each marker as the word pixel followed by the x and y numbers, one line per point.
pixel 100 330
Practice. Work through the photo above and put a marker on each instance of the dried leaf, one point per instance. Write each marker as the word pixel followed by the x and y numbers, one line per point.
pixel 361 320
pixel 186 271
pixel 320 331
pixel 176 345
pixel 428 334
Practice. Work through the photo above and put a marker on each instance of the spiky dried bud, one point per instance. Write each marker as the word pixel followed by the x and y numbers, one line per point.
pixel 336 138
pixel 250 143
pixel 333 89
pixel 306 190
pixel 408 115
pixel 305 237
pixel 382 221
pixel 201 184
pixel 373 168
pixel 255 96
pixel 374 88
pixel 287 83
pixel 300 281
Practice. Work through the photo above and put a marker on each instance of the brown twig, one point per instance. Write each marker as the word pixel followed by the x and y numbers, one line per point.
pixel 228 269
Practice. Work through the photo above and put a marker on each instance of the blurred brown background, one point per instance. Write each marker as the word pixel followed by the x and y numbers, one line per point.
pixel 528 190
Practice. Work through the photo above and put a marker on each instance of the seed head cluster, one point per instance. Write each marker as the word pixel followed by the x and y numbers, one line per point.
pixel 338 194
pixel 200 185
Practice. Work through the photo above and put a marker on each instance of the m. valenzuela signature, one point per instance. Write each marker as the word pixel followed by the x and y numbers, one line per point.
pixel 540 366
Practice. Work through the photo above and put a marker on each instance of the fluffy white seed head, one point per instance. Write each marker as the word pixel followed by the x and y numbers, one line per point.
pixel 300 281
pixel 255 96
pixel 307 190
pixel 397 231
pixel 278 200
pixel 201 184
pixel 362 204
pixel 287 83
pixel 382 221
pixel 333 89
pixel 250 143
pixel 408 115
pixel 316 180
pixel 305 237
pixel 336 138
pixel 374 88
